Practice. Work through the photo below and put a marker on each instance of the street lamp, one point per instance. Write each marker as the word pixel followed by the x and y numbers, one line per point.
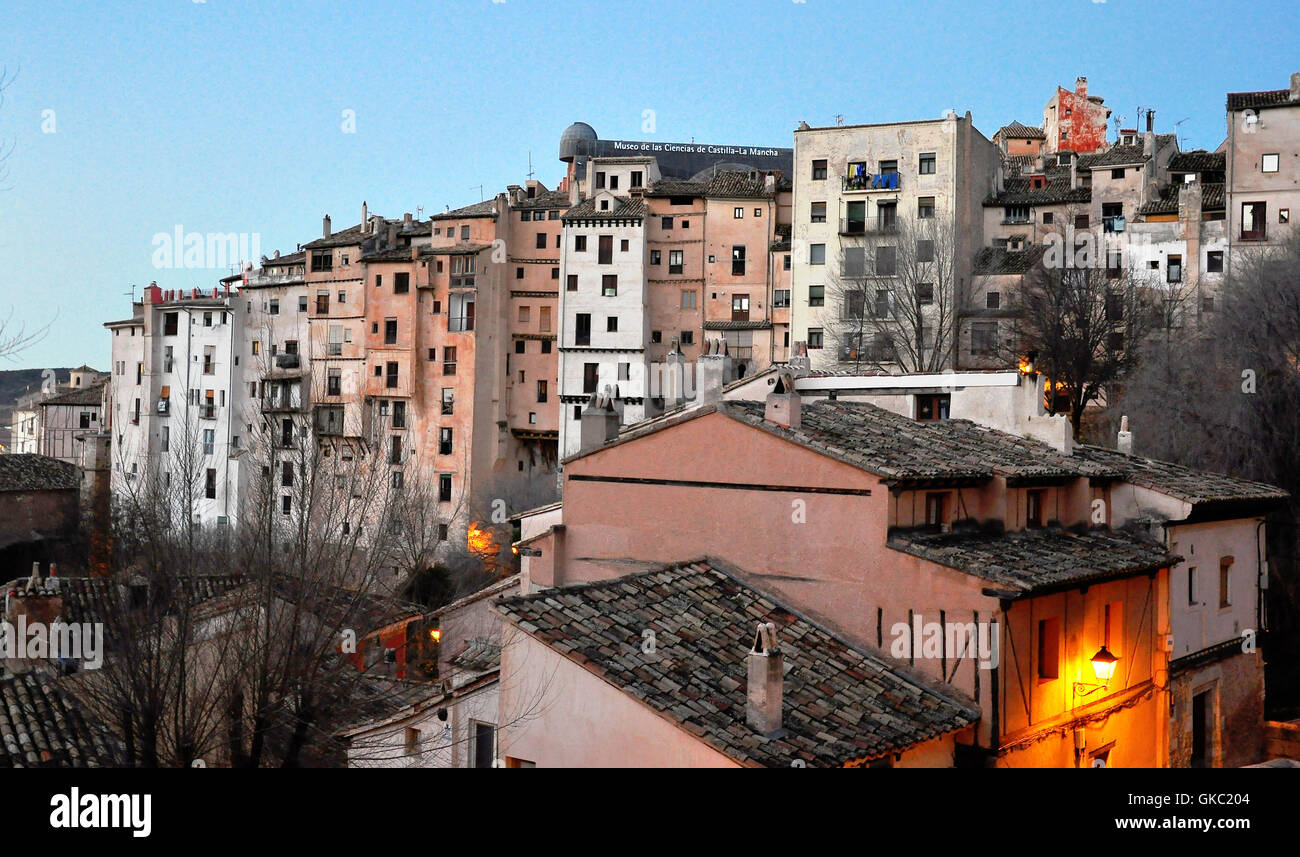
pixel 1103 665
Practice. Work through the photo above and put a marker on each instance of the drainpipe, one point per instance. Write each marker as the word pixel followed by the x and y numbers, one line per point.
pixel 1261 571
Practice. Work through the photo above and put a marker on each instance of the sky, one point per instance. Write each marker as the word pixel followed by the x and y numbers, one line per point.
pixel 131 119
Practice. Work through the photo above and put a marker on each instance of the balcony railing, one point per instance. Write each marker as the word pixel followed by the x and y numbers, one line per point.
pixel 868 227
pixel 460 324
pixel 868 181
pixel 287 361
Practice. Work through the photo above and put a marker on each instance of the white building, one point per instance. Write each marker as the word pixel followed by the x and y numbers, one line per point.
pixel 173 401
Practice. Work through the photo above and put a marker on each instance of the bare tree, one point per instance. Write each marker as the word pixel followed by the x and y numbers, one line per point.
pixel 894 291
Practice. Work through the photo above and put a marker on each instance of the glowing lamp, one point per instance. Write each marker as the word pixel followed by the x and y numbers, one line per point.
pixel 1103 664
pixel 435 635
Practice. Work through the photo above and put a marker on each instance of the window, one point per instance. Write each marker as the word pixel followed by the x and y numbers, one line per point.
pixel 170 320
pixel 572 283
pixel 1254 216
pixel 334 383
pixel 395 449
pixel 611 324
pixel 590 377
pixel 399 414
pixel 688 337
pixel 855 304
pixel 926 165
pixel 674 261
pixel 819 169
pixel 925 250
pixel 1174 269
pixel 1081 221
pixel 582 329
pixel 666 223
pixel 737 261
pixel 449 360
pixel 655 257
pixel 322 260
pixel 448 401
pixel 1049 649
pixel 983 338
pixel 464 235
pixel 519 346
pixel 740 307
pixel 818 213
pixel 933 407
pixel 1115 341
pixel 286 474
pixel 605 250
pixel 925 208
pixel 1269 163
pixel 816 254
pixel 936 510
pixel 1284 215
pixel 816 296
pixel 1015 214
pixel 444 487
pixel 688 299
pixel 1191 586
pixel 444 441
pixel 544 319
pixel 1214 262
pixel 209 441
pixel 925 293
pixel 993 300
pixel 484 736
pixel 738 213
pixel 1047 218
pixel 1034 508
pixel 580 243
pixel 816 338
pixel 401 283
pixel 609 285
pixel 390 331
pixel 1225 580
pixel 210 484
pixel 391 376
pixel 886 261
pixel 519 272
pixel 1117 173
pixel 780 298
pixel 634 180
pixel 322 303
pixel 555 272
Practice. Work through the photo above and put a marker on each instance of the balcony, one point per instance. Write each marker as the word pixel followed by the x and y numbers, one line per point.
pixel 460 323
pixel 287 361
pixel 164 406
pixel 869 182
pixel 868 227
pixel 207 412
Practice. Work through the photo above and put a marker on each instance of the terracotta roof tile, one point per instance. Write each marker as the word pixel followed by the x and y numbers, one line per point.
pixel 31 472
pixel 42 727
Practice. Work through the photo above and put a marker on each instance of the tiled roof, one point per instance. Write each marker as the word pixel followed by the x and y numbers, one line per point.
pixel 624 208
pixel 30 472
pixel 486 208
pixel 1256 100
pixel 1184 483
pixel 1032 561
pixel 42 727
pixel 736 184
pixel 1016 131
pixel 288 259
pixel 1020 191
pixel 479 655
pixel 391 254
pixel 342 238
pixel 92 395
pixel 1115 156
pixel 466 248
pixel 757 324
pixel 992 261
pixel 1020 163
pixel 841 705
pixel 1167 203
pixel 1198 161
pixel 550 199
pixel 898 448
pixel 99 599
pixel 672 187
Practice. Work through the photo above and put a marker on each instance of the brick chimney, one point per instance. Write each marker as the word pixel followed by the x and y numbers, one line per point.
pixel 783 403
pixel 599 422
pixel 765 687
pixel 325 229
pixel 713 370
pixel 1295 86
pixel 1124 441
pixel 1081 87
pixel 30 601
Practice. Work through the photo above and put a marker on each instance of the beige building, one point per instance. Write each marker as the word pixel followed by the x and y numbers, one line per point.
pixel 1263 165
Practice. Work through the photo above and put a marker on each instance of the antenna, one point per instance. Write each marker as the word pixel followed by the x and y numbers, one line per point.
pixel 1176 124
pixel 839 118
pixel 131 293
pixel 531 171
pixel 480 190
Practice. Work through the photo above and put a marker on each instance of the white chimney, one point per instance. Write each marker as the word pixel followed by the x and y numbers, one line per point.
pixel 1124 442
pixel 783 403
pixel 766 681
pixel 365 215
pixel 325 227
pixel 598 423
pixel 714 369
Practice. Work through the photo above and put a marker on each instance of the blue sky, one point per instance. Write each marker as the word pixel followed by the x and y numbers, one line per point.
pixel 226 115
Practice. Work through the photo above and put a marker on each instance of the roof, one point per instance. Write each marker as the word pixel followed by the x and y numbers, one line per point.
pixel 288 259
pixel 897 448
pixel 992 261
pixel 92 395
pixel 624 208
pixel 1115 156
pixel 1040 560
pixel 841 704
pixel 41 727
pixel 550 199
pixel 98 599
pixel 1167 202
pixel 1198 161
pixel 390 254
pixel 673 187
pixel 486 208
pixel 1016 131
pixel 465 248
pixel 737 184
pixel 1020 191
pixel 756 324
pixel 1261 99
pixel 30 472
pixel 342 238
pixel 1184 483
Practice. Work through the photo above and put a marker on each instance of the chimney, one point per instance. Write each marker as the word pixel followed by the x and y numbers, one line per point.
pixel 766 679
pixel 406 220
pixel 713 370
pixel 599 422
pixel 769 183
pixel 325 227
pixel 672 386
pixel 1151 121
pixel 1124 442
pixel 392 234
pixel 365 216
pixel 783 402
pixel 1081 87
pixel 1295 86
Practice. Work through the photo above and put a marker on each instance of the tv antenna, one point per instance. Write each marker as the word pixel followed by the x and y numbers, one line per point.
pixel 480 190
pixel 531 171
pixel 131 293
pixel 1176 133
pixel 839 118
